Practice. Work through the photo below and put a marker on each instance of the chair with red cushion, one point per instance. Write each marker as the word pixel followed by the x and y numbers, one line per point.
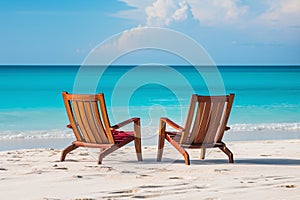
pixel 92 128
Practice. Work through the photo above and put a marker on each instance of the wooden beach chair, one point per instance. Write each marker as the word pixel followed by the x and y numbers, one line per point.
pixel 204 128
pixel 92 128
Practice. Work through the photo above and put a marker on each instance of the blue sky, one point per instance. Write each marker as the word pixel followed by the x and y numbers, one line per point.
pixel 231 31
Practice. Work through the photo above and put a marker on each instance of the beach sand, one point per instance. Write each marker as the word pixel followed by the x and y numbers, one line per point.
pixel 262 170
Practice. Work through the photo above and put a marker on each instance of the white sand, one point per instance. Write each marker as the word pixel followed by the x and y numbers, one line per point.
pixel 263 170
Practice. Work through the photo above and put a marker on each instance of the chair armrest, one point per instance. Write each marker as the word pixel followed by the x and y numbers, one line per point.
pixel 124 123
pixel 171 123
pixel 136 126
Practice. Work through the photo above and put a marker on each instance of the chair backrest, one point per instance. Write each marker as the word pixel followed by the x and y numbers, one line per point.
pixel 89 125
pixel 207 119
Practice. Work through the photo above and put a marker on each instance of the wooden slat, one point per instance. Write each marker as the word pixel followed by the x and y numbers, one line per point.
pixel 78 113
pixel 215 122
pixel 81 97
pixel 71 116
pixel 202 145
pixel 91 145
pixel 77 125
pixel 197 122
pixel 84 117
pixel 189 119
pixel 105 117
pixel 98 123
pixel 214 99
pixel 230 99
pixel 203 135
pixel 206 119
pixel 222 125
pixel 91 121
pixel 205 113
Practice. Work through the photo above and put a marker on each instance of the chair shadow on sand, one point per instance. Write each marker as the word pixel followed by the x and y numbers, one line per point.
pixel 268 161
pixel 241 161
pixel 247 161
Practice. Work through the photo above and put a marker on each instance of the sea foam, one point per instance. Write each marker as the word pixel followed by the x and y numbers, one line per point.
pixel 265 127
pixel 147 132
pixel 36 134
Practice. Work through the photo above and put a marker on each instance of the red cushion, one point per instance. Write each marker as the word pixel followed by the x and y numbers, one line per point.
pixel 120 136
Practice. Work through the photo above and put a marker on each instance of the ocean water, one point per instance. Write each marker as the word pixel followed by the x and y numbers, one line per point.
pixel 266 106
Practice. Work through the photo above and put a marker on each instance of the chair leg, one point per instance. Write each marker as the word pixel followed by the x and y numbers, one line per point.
pixel 100 155
pixel 67 150
pixel 161 144
pixel 228 153
pixel 180 149
pixel 101 150
pixel 137 140
pixel 186 158
pixel 105 152
pixel 138 148
pixel 202 155
pixel 161 140
pixel 113 148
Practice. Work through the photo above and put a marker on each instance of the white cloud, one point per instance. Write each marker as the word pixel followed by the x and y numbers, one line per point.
pixel 281 13
pixel 130 39
pixel 217 12
pixel 164 12
pixel 181 13
pixel 257 21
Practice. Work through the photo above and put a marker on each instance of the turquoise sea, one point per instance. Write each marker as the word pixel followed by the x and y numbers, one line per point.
pixel 266 106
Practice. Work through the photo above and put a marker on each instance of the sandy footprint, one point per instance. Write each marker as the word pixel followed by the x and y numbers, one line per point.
pixel 128 172
pixel 145 196
pixel 289 186
pixel 151 186
pixel 121 194
pixel 84 199
pixel 283 177
pixel 143 176
pixel 265 155
pixel 222 171
pixel 162 170
pixel 77 176
pixel 61 168
pixel 175 177
pixel 107 168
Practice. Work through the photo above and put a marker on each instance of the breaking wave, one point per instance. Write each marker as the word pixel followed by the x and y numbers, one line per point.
pixel 62 134
pixel 36 134
pixel 265 127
